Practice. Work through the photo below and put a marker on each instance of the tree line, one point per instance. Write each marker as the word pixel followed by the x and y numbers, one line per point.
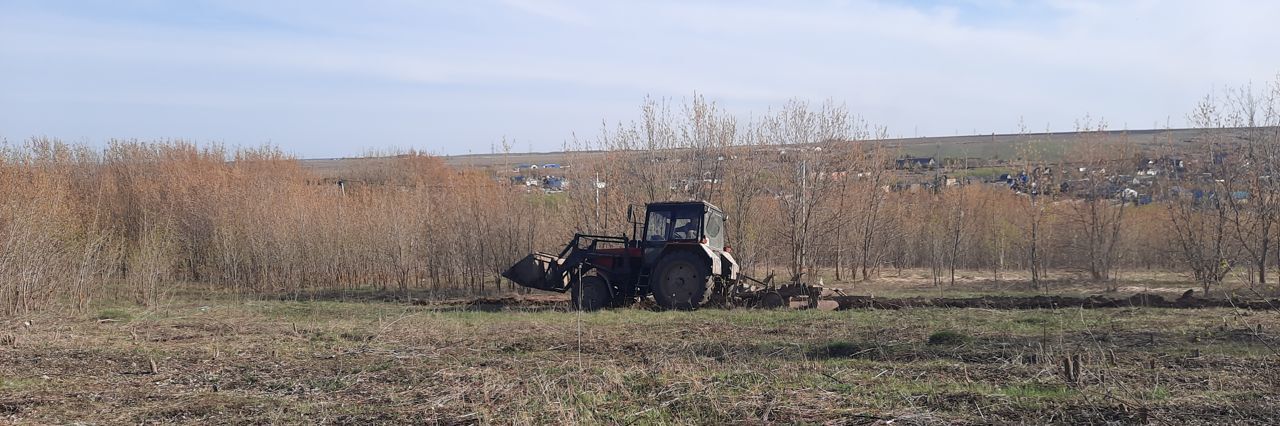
pixel 810 191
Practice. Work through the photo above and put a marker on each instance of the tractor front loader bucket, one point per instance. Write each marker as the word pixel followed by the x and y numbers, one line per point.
pixel 541 271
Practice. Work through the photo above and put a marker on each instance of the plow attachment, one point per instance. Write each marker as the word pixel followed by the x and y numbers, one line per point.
pixel 752 293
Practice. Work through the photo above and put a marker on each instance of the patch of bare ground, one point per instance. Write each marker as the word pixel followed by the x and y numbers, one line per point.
pixel 360 363
pixel 969 283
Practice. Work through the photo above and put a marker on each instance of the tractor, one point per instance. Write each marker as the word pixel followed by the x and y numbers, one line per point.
pixel 678 256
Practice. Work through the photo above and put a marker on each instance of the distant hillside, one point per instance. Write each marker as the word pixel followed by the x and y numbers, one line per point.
pixel 994 146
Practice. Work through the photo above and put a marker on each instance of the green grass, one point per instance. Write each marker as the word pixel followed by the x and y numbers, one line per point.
pixel 1038 390
pixel 1159 393
pixel 16 384
pixel 948 338
pixel 842 349
pixel 985 173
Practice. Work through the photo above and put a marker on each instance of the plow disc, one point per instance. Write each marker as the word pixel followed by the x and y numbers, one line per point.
pixel 752 293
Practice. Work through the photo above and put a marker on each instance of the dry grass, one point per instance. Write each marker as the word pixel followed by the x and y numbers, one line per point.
pixel 228 361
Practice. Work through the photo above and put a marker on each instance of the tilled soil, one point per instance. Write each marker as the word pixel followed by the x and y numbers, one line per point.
pixel 1052 302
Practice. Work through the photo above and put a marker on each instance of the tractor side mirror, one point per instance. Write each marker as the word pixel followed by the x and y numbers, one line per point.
pixel 631 213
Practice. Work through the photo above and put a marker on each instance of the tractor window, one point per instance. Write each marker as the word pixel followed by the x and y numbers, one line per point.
pixel 715 230
pixel 686 225
pixel 656 227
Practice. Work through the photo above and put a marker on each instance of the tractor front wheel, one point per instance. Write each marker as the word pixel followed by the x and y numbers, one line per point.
pixel 591 293
pixel 682 280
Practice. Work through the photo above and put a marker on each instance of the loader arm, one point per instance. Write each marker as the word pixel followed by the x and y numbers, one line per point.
pixel 550 272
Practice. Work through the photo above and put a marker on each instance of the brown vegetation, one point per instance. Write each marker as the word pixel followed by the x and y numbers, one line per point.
pixel 809 191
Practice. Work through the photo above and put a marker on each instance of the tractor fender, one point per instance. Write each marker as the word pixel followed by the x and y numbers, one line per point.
pixel 705 252
pixel 730 268
pixel 604 275
pixel 714 259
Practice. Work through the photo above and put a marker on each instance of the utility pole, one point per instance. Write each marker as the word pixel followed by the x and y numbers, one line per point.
pixel 804 218
pixel 597 185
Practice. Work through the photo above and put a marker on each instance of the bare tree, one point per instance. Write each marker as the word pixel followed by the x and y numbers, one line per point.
pixel 1199 216
pixel 1100 194
pixel 1034 182
pixel 874 178
pixel 813 162
pixel 1248 167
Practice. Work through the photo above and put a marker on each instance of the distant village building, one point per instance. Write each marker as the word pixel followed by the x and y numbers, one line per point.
pixel 912 163
pixel 554 184
pixel 962 162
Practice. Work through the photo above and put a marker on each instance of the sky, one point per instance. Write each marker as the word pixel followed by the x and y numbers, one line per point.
pixel 325 78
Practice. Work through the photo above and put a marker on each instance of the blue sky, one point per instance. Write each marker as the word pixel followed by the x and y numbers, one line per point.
pixel 329 78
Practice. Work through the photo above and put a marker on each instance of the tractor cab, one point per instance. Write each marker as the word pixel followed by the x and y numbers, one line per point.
pixel 683 223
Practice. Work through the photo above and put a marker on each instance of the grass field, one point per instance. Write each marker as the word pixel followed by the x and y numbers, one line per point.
pixel 230 361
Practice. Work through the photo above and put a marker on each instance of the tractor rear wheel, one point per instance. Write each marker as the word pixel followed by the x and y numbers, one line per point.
pixel 682 280
pixel 590 293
